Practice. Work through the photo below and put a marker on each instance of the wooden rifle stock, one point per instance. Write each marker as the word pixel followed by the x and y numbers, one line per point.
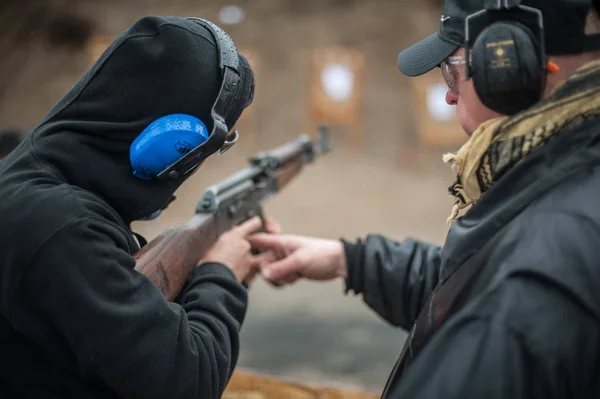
pixel 171 257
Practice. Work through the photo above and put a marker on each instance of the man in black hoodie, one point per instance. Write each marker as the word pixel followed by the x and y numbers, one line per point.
pixel 509 307
pixel 76 319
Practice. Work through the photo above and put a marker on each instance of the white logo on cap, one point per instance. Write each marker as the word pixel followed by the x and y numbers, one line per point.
pixel 444 18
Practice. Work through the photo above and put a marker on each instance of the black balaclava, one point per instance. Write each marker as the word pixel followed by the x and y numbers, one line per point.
pixel 159 66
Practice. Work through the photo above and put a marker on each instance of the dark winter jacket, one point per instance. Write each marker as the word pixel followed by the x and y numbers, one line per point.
pixel 530 327
pixel 76 320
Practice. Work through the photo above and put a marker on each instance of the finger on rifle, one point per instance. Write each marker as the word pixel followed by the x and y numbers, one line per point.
pixel 249 226
pixel 265 241
pixel 277 271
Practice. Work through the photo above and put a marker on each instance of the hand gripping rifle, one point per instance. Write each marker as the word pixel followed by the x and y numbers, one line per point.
pixel 170 258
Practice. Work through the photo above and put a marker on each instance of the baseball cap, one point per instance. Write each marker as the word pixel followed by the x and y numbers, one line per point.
pixel 564 27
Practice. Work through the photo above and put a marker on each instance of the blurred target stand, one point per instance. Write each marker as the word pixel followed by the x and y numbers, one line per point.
pixel 436 124
pixel 336 95
pixel 436 121
pixel 336 99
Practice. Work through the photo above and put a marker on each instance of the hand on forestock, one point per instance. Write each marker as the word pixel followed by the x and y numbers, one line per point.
pixel 233 250
pixel 293 257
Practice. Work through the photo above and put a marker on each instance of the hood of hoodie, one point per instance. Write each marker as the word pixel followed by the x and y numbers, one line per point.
pixel 159 66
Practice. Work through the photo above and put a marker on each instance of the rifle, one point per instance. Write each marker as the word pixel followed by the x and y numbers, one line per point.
pixel 171 257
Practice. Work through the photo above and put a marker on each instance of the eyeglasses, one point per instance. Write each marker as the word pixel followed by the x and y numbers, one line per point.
pixel 450 69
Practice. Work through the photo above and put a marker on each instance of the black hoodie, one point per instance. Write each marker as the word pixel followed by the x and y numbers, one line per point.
pixel 76 320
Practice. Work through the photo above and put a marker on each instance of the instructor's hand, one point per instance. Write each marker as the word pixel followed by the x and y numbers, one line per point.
pixel 293 257
pixel 232 249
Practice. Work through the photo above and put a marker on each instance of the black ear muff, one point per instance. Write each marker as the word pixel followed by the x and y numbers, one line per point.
pixel 505 67
pixel 505 55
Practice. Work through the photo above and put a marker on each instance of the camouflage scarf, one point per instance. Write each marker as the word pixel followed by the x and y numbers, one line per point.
pixel 501 143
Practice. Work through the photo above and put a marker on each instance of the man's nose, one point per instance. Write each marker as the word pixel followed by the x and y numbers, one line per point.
pixel 451 97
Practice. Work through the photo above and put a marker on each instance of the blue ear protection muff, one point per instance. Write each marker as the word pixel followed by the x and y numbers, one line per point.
pixel 505 55
pixel 164 142
pixel 173 146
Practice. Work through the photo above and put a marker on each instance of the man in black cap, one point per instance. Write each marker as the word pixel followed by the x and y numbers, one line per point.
pixel 509 307
pixel 76 319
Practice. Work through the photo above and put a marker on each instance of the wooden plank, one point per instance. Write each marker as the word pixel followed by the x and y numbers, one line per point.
pixel 250 385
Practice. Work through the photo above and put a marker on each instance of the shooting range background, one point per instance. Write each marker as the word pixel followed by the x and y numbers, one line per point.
pixel 392 182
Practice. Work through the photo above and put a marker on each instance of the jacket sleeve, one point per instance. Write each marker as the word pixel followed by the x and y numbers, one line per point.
pixel 120 327
pixel 395 278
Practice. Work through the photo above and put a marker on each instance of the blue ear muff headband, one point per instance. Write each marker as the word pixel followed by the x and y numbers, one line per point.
pixel 172 146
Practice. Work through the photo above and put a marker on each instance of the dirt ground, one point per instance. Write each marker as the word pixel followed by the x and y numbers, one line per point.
pixel 309 331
